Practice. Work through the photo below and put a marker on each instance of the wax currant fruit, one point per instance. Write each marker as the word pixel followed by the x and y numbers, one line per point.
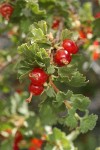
pixel 82 34
pixel 95 55
pixel 36 90
pixel 96 43
pixel 38 76
pixel 70 46
pixel 62 57
pixel 18 138
pixel 6 10
pixel 97 15
pixel 36 144
pixel 55 24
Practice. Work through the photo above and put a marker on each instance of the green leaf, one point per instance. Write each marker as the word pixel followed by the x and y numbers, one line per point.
pixel 59 139
pixel 66 34
pixel 51 69
pixel 50 92
pixel 48 147
pixel 37 34
pixel 88 123
pixel 70 75
pixel 77 80
pixel 80 102
pixel 7 144
pixel 86 11
pixel 71 120
pixel 43 26
pixel 66 70
pixel 47 115
pixel 34 7
pixel 96 27
pixel 23 72
pixel 5 126
pixel 61 96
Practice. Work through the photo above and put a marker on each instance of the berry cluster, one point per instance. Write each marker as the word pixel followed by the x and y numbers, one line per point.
pixel 6 10
pixel 63 56
pixel 85 33
pixel 37 77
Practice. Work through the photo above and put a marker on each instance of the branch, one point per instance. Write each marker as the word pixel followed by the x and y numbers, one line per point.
pixel 7 63
pixel 53 85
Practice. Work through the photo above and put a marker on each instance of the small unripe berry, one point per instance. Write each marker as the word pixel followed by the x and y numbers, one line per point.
pixel 62 57
pixel 70 46
pixel 38 76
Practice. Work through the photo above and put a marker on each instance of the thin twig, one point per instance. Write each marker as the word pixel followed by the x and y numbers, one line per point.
pixel 53 85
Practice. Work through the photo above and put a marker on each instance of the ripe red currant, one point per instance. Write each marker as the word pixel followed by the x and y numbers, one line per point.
pixel 36 144
pixel 96 43
pixel 97 15
pixel 38 76
pixel 70 46
pixel 6 10
pixel 82 34
pixel 95 55
pixel 62 57
pixel 15 147
pixel 36 90
pixel 18 137
pixel 55 24
pixel 17 140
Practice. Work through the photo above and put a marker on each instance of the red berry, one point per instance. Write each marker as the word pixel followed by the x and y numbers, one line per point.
pixel 95 55
pixel 18 137
pixel 89 30
pixel 19 91
pixel 97 15
pixel 15 147
pixel 6 10
pixel 96 43
pixel 17 140
pixel 82 34
pixel 36 144
pixel 36 90
pixel 55 24
pixel 38 76
pixel 62 57
pixel 70 46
